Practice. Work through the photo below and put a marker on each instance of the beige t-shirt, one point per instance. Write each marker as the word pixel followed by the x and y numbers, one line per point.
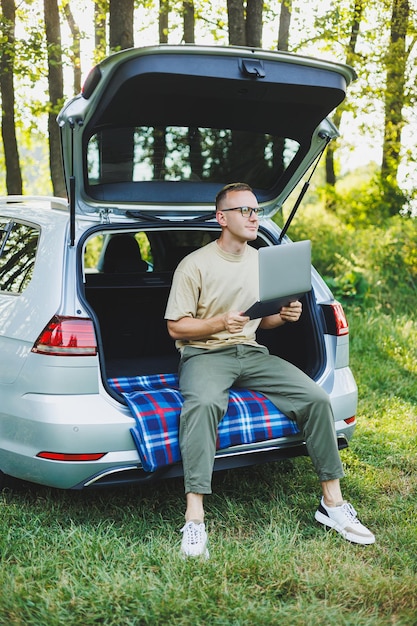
pixel 210 282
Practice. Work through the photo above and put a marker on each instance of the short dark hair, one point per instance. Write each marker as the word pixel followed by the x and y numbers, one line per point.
pixel 229 188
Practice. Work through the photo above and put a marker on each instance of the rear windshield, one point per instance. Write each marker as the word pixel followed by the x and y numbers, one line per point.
pixel 178 153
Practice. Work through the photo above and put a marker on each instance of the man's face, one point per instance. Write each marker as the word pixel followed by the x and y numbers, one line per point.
pixel 239 227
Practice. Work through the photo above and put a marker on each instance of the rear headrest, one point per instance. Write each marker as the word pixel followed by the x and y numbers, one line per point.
pixel 122 256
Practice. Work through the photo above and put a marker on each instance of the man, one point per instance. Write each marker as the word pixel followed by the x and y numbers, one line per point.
pixel 219 350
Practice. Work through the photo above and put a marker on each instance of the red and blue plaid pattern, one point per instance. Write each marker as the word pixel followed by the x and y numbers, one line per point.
pixel 155 402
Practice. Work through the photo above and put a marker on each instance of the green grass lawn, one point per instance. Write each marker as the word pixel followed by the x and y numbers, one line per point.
pixel 112 557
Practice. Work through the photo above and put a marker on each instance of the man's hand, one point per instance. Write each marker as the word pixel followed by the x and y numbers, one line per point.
pixel 193 328
pixel 234 321
pixel 292 312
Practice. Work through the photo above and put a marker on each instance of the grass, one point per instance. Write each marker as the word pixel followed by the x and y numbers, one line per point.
pixel 111 557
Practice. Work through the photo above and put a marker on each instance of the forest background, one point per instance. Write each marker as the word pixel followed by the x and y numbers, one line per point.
pixel 88 558
pixel 363 200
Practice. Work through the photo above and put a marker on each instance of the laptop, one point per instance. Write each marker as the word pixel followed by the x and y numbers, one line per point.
pixel 284 276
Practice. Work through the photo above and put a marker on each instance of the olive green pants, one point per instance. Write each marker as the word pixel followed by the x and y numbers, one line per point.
pixel 205 379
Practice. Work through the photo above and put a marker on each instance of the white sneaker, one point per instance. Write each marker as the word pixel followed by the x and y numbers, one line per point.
pixel 344 520
pixel 194 540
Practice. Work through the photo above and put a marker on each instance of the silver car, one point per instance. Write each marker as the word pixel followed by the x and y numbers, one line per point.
pixel 153 136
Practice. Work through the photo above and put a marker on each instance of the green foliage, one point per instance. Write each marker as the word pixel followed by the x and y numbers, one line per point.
pixel 35 154
pixel 95 244
pixel 145 247
pixel 365 201
pixel 391 255
pixel 363 262
pixel 93 250
pixel 111 557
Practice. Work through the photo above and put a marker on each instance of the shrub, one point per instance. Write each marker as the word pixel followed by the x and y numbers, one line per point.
pixel 391 255
pixel 369 265
pixel 366 200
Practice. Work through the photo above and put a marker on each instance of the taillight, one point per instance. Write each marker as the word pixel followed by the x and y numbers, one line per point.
pixel 336 321
pixel 67 336
pixel 62 456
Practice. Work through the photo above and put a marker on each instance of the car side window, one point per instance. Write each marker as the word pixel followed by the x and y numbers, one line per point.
pixel 18 244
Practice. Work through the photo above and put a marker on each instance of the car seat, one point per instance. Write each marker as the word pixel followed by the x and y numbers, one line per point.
pixel 122 256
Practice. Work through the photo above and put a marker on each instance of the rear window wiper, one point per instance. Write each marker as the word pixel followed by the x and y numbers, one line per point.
pixel 154 218
pixel 137 215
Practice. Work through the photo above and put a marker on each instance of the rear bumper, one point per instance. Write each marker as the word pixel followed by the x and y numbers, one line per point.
pixel 269 452
pixel 97 423
pixel 70 424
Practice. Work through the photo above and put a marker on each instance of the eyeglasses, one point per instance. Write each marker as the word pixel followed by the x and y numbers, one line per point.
pixel 247 211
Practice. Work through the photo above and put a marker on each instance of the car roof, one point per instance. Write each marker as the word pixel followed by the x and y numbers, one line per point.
pixel 40 210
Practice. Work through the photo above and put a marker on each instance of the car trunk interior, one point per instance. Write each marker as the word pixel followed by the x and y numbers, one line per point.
pixel 128 293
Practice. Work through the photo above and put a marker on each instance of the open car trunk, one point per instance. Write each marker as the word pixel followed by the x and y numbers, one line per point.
pixel 152 138
pixel 159 130
pixel 127 281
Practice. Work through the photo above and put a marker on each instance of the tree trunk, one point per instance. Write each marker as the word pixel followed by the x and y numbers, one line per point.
pixel 75 47
pixel 121 24
pixel 13 174
pixel 395 90
pixel 254 10
pixel 189 21
pixel 350 58
pixel 236 19
pixel 163 21
pixel 245 25
pixel 284 25
pixel 56 93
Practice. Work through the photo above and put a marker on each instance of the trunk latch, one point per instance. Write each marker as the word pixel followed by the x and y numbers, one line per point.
pixel 253 67
pixel 104 215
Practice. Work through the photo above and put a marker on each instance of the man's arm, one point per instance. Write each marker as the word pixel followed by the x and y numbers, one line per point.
pixel 192 328
pixel 290 313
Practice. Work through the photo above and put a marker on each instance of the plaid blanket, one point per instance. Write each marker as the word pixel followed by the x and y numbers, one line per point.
pixel 155 402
